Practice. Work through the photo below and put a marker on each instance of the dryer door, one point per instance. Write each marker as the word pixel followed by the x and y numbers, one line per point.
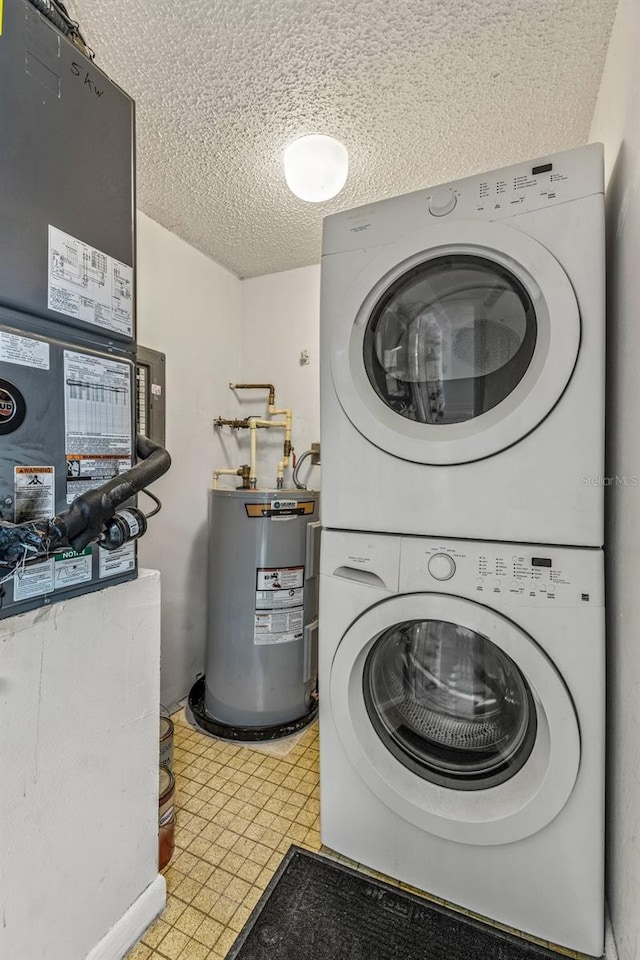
pixel 455 718
pixel 455 343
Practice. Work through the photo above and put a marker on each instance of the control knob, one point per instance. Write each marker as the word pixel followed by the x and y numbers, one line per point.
pixel 442 202
pixel 441 566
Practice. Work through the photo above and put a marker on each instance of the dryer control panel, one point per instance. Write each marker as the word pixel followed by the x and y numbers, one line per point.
pixel 508 192
pixel 508 573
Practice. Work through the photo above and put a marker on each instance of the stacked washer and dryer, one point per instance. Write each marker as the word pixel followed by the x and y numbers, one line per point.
pixel 462 646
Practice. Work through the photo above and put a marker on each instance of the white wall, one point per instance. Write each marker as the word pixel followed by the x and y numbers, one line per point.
pixel 189 308
pixel 280 318
pixel 79 773
pixel 616 122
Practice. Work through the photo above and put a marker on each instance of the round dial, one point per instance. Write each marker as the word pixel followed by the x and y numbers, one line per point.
pixel 442 202
pixel 441 566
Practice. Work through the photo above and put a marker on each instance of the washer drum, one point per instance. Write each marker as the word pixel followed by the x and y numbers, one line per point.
pixel 261 658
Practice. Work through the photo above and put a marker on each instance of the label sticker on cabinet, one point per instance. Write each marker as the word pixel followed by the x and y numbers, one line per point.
pixel 24 351
pixel 87 284
pixel 84 473
pixel 97 410
pixel 33 581
pixel 112 563
pixel 34 493
pixel 70 568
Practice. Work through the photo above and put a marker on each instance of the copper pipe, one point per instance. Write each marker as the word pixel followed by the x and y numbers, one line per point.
pixel 256 386
pixel 236 424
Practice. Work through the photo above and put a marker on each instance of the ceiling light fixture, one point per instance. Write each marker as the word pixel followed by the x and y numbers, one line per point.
pixel 316 167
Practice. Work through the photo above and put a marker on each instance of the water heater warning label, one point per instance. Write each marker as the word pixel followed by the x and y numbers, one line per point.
pixel 87 284
pixel 279 610
pixel 281 627
pixel 279 578
pixel 279 599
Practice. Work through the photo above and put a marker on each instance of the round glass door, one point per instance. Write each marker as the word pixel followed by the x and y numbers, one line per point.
pixel 454 717
pixel 449 704
pixel 454 342
pixel 450 339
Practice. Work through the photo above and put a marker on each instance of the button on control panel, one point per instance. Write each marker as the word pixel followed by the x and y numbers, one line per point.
pixel 441 566
pixel 520 575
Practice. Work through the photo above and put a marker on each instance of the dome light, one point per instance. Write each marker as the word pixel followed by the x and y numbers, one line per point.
pixel 316 167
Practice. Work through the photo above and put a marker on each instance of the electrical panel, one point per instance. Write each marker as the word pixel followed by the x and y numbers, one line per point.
pixel 150 394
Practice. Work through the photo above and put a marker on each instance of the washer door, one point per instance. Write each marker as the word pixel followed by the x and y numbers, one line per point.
pixel 455 343
pixel 455 718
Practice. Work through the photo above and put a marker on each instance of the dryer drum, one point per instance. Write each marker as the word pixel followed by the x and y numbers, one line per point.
pixel 486 344
pixel 449 704
pixel 450 339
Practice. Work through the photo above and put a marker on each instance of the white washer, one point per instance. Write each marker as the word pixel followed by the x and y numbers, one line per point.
pixel 462 357
pixel 462 719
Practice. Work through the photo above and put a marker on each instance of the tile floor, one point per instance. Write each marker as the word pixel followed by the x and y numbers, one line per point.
pixel 238 810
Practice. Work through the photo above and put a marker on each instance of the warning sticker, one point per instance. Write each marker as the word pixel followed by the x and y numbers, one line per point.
pixel 112 563
pixel 279 578
pixel 24 351
pixel 33 581
pixel 35 493
pixel 97 408
pixel 281 627
pixel 279 612
pixel 70 568
pixel 278 599
pixel 84 473
pixel 87 284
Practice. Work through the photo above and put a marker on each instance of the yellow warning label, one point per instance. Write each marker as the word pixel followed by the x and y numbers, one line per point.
pixel 33 470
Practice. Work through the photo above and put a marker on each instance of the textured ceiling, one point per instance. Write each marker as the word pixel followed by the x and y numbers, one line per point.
pixel 420 91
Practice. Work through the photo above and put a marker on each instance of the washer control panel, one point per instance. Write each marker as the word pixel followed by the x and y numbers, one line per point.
pixel 504 573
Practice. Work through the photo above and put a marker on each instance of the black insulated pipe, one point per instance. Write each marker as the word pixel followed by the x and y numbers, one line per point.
pixel 83 522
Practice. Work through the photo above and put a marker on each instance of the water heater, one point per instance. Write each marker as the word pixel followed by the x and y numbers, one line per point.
pixel 261 659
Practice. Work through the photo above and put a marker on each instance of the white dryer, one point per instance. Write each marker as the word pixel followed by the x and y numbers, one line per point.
pixel 462 720
pixel 462 357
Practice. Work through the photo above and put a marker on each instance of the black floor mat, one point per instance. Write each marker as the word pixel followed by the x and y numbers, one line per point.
pixel 315 909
